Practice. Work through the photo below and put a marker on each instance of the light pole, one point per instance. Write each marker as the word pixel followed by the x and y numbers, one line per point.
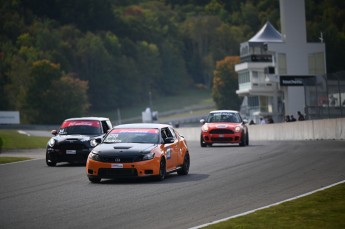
pixel 150 99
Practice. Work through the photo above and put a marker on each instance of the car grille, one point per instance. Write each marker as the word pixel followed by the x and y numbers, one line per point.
pixel 121 159
pixel 221 131
pixel 75 145
pixel 111 173
pixel 236 139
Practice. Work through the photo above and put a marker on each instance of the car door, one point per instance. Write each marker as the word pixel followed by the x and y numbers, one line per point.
pixel 170 149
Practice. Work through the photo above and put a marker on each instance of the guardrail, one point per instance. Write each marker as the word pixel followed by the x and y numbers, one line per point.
pixel 325 129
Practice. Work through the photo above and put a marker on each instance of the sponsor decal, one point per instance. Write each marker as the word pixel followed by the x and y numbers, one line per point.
pixel 116 166
pixel 117 160
pixel 139 130
pixel 221 126
pixel 297 80
pixel 168 153
pixel 80 123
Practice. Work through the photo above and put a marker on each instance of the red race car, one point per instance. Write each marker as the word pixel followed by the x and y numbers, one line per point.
pixel 224 126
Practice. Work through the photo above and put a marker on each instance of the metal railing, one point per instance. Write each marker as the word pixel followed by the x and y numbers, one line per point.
pixel 326 99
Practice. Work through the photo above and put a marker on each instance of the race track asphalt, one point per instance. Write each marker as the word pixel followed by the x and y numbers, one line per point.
pixel 224 180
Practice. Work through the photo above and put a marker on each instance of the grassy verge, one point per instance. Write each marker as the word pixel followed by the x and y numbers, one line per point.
pixel 324 209
pixel 11 139
pixel 188 101
pixel 4 160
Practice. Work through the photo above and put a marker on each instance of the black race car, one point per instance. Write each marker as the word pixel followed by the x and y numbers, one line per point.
pixel 72 143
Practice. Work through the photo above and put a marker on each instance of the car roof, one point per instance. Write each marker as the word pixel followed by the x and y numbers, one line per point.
pixel 220 111
pixel 143 125
pixel 89 118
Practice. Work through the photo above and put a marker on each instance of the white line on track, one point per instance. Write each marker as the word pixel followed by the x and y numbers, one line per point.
pixel 268 206
pixel 23 132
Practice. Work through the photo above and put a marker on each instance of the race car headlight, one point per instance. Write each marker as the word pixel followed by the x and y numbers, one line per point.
pixel 94 156
pixel 238 129
pixel 51 142
pixel 148 156
pixel 93 143
pixel 204 128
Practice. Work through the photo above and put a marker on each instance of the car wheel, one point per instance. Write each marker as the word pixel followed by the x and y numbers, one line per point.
pixel 202 143
pixel 94 179
pixel 247 139
pixel 50 161
pixel 185 167
pixel 243 140
pixel 162 170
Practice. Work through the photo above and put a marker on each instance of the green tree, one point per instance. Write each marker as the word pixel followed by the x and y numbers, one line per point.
pixel 225 84
pixel 149 66
pixel 67 56
pixel 19 76
pixel 95 65
pixel 36 106
pixel 66 98
pixel 124 48
pixel 174 79
pixel 52 96
pixel 88 15
pixel 199 35
pixel 7 54
pixel 328 18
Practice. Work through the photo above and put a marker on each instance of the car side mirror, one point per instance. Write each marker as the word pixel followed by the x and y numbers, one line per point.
pixel 202 121
pixel 169 140
pixel 245 121
pixel 54 132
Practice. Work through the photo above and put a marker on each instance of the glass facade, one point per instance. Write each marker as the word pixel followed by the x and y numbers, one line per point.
pixel 282 70
pixel 316 63
pixel 243 77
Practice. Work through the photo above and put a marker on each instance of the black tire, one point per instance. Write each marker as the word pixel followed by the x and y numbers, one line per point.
pixel 202 143
pixel 50 161
pixel 94 179
pixel 247 139
pixel 243 140
pixel 185 167
pixel 162 170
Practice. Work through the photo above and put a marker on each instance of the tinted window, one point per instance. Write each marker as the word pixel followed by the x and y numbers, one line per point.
pixel 133 136
pixel 172 132
pixel 83 127
pixel 166 133
pixel 224 117
pixel 105 126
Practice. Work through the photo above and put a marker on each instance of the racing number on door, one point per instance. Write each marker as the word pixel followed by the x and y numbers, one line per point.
pixel 170 149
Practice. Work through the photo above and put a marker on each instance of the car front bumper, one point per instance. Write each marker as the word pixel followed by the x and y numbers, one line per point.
pixel 61 155
pixel 117 170
pixel 221 138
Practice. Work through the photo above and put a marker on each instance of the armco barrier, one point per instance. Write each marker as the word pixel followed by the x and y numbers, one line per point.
pixel 333 129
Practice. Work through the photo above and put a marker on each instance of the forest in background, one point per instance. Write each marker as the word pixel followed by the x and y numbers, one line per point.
pixel 59 59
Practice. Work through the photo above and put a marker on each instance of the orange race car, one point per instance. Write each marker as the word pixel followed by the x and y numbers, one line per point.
pixel 224 126
pixel 138 150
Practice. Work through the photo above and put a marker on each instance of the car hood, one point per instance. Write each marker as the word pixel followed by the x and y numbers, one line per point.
pixel 76 137
pixel 222 125
pixel 122 149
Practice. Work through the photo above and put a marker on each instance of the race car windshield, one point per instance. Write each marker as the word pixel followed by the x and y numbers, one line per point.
pixel 224 117
pixel 133 136
pixel 80 127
